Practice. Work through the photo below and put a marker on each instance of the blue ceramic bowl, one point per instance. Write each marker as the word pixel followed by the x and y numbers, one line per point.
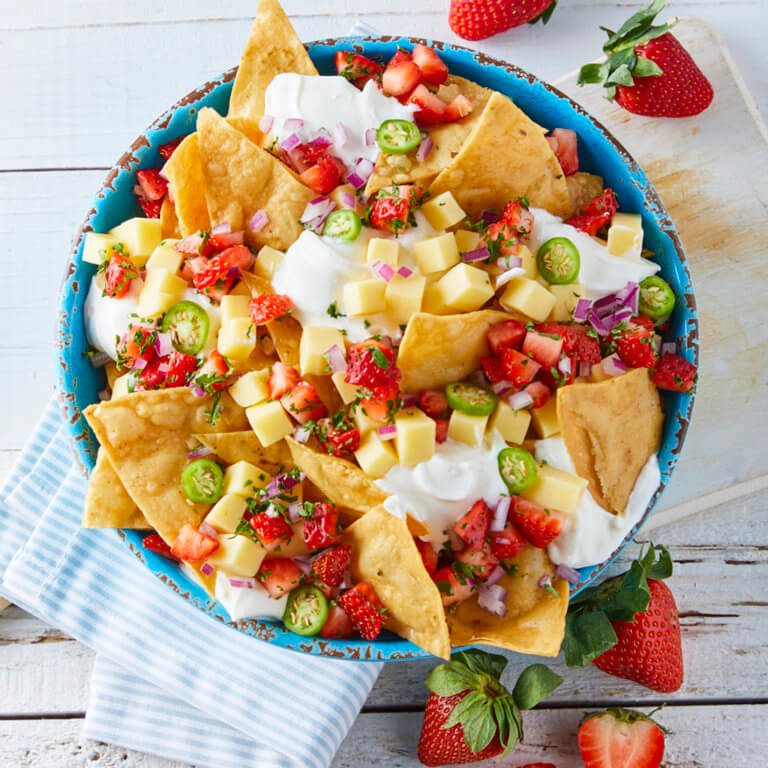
pixel 78 382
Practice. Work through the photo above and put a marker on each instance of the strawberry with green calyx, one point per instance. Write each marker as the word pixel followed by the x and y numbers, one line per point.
pixel 629 626
pixel 620 738
pixel 478 19
pixel 648 71
pixel 470 715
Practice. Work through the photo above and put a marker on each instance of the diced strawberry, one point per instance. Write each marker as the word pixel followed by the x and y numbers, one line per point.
pixel 375 408
pixel 180 368
pixel 390 213
pixel 519 369
pixel 540 393
pixel 441 430
pixel 192 546
pixel 431 107
pixel 472 526
pixel 400 56
pixel 565 145
pixel 138 342
pixel 364 608
pixel 195 244
pixel 493 368
pixel 272 531
pixel 322 529
pixel 151 208
pixel 357 69
pixel 215 373
pixel 540 526
pixel 453 589
pixel 282 378
pixel 507 543
pixel 150 376
pixel 279 575
pixel 460 106
pixel 433 402
pixel 338 626
pixel 518 216
pixel 597 213
pixel 501 239
pixel 433 69
pixel 303 403
pixel 400 76
pixel 644 322
pixel 542 349
pixel 577 343
pixel 216 278
pixel 224 240
pixel 338 439
pixel 118 275
pixel 428 555
pixel 153 185
pixel 329 567
pixel 191 266
pixel 508 334
pixel 675 373
pixel 371 364
pixel 636 348
pixel 270 306
pixel 324 176
pixel 481 562
pixel 167 149
pixel 154 542
pixel 308 154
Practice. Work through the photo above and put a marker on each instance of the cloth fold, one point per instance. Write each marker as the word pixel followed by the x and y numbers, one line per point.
pixel 169 679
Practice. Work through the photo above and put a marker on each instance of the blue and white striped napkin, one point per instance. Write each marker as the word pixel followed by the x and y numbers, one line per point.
pixel 197 690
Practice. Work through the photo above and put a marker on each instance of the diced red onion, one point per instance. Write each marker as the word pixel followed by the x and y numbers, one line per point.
pixel 163 367
pixel 316 208
pixel 266 123
pixel 479 254
pixel 622 314
pixel 502 388
pixel 581 309
pixel 614 366
pixel 545 581
pixel 489 217
pixel 206 569
pixel 383 270
pixel 585 369
pixel 509 261
pixel 355 180
pixel 100 359
pixel 139 364
pixel 500 514
pixel 348 199
pixel 198 453
pixel 496 575
pixel 294 509
pixel 293 124
pixel 364 168
pixel 409 400
pixel 606 305
pixel 629 296
pixel 233 273
pixel 336 359
pixel 321 141
pixel 370 137
pixel 198 391
pixel 208 530
pixel 491 598
pixel 258 221
pixel 571 575
pixel 273 510
pixel 283 482
pixel 565 366
pixel 302 434
pixel 220 229
pixel 163 344
pixel 304 564
pixel 340 134
pixel 520 400
pixel 669 348
pixel 424 148
pixel 603 328
pixel 247 582
pixel 387 433
pixel 404 272
pixel 103 395
pixel 290 142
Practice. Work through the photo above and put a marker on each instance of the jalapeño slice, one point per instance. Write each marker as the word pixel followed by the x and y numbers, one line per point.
pixel 517 469
pixel 470 399
pixel 188 323
pixel 657 299
pixel 202 480
pixel 305 611
pixel 343 225
pixel 398 137
pixel 558 261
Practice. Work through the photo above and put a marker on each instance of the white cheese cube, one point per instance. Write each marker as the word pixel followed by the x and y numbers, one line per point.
pixel 374 456
pixel 269 421
pixel 625 235
pixel 555 489
pixel 465 288
pixel 466 240
pixel 237 339
pixel 415 439
pixel 165 256
pixel 238 556
pixel 141 237
pixel 364 297
pixel 436 254
pixel 348 392
pixel 316 340
pixel 267 261
pixel 251 388
pixel 243 479
pixel 383 249
pixel 467 429
pixel 527 297
pixel 443 211
pixel 512 425
pixel 96 247
pixel 232 306
pixel 404 296
pixel 226 513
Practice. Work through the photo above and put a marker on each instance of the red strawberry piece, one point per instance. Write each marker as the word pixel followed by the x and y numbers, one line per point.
pixel 371 364
pixel 597 213
pixel 540 393
pixel 357 69
pixel 441 430
pixel 643 321
pixel 518 217
pixel 167 149
pixel 428 555
pixel 322 529
pixel 338 625
pixel 431 108
pixel 364 608
pixel 324 176
pixel 620 738
pixel 180 367
pixel 538 765
pixel 472 526
pixel 433 402
pixel 539 525
pixel 508 334
pixel 501 240
pixel 378 409
pixel 454 587
pixel 433 69
pixel 153 185
pixel 138 342
pixel 338 439
pixel 303 403
pixel 478 19
pixel 674 373
pixel 151 208
pixel 192 546
pixel 151 376
pixel 636 348
pixel 329 567
pixel 270 306
pixel 216 278
pixel 224 240
pixel 279 575
pixel 195 244
pixel 272 531
pixel 493 369
pixel 215 373
pixel 543 348
pixel 154 542
pixel 519 369
pixel 507 543
pixel 480 562
pixel 282 379
pixel 565 145
pixel 401 75
pixel 460 106
pixel 390 213
pixel 577 343
pixel 119 273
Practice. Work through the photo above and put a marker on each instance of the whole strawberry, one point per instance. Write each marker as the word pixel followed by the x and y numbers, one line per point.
pixel 629 626
pixel 470 715
pixel 478 19
pixel 648 71
pixel 620 738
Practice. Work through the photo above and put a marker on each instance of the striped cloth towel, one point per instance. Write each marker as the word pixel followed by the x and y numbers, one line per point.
pixel 88 584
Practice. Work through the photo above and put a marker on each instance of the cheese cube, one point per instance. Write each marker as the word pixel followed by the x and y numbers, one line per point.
pixel 467 429
pixel 162 289
pixel 465 288
pixel 364 297
pixel 555 489
pixel 267 261
pixel 250 388
pixel 233 306
pixel 348 392
pixel 237 339
pixel 404 296
pixel 527 297
pixel 443 211
pixel 340 196
pixel 141 237
pixel 433 301
pixel 238 556
pixel 96 247
pixel 382 249
pixel 415 438
pixel 566 297
pixel 226 513
pixel 375 456
pixel 466 240
pixel 545 420
pixel 165 256
pixel 123 385
pixel 512 425
pixel 316 340
pixel 363 421
pixel 528 259
pixel 269 421
pixel 436 253
pixel 243 478
pixel 625 235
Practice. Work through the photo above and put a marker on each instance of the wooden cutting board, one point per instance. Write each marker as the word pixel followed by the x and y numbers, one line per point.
pixel 712 172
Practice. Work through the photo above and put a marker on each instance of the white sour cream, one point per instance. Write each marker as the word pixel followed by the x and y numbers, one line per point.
pixel 324 102
pixel 591 534
pixel 600 273
pixel 440 490
pixel 243 603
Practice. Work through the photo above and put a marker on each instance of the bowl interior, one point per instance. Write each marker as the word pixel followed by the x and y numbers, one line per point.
pixel 78 382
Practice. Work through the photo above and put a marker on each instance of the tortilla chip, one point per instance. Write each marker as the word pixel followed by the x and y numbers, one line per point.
pixel 169 221
pixel 273 48
pixel 610 430
pixel 147 436
pixel 439 349
pixel 187 187
pixel 232 447
pixel 582 187
pixel 535 620
pixel 506 156
pixel 107 503
pixel 385 555
pixel 241 178
pixel 249 127
pixel 447 141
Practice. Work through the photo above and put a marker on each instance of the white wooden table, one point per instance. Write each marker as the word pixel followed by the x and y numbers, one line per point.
pixel 80 79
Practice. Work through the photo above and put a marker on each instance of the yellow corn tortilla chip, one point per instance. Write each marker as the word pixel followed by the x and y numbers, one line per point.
pixel 506 156
pixel 147 436
pixel 272 48
pixel 232 447
pixel 241 178
pixel 249 127
pixel 535 620
pixel 439 349
pixel 582 187
pixel 447 141
pixel 107 503
pixel 187 187
pixel 169 221
pixel 385 555
pixel 610 430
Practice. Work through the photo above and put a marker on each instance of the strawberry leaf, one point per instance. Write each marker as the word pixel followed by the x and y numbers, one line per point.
pixel 445 680
pixel 545 15
pixel 534 685
pixel 593 73
pixel 481 727
pixel 480 661
pixel 646 68
pixel 587 635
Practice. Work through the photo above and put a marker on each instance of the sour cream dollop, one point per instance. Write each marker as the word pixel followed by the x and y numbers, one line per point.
pixel 241 603
pixel 440 490
pixel 591 534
